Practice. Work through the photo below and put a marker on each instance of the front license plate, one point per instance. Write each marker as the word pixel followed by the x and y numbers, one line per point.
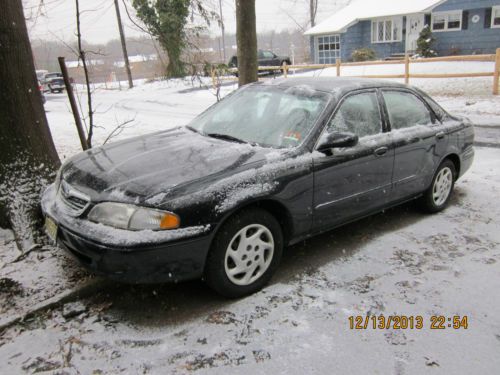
pixel 51 228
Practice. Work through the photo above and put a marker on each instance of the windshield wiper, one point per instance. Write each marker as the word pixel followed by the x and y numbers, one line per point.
pixel 226 137
pixel 192 129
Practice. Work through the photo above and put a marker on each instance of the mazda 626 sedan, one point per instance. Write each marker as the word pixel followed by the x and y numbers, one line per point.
pixel 270 165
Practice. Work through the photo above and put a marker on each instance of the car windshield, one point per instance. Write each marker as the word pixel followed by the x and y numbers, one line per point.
pixel 267 116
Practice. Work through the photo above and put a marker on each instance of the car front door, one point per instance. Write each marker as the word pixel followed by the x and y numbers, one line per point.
pixel 419 141
pixel 268 58
pixel 353 181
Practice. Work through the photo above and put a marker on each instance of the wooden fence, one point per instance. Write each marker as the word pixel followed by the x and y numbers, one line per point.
pixel 407 63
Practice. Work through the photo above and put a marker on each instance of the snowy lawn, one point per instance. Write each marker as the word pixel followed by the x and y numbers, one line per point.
pixel 401 262
pixel 161 105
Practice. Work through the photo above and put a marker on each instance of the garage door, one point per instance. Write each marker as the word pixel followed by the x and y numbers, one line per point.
pixel 328 47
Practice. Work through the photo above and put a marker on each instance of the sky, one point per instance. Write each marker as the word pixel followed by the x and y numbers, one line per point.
pixel 55 19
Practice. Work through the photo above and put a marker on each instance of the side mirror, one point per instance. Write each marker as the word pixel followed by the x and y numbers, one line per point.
pixel 338 140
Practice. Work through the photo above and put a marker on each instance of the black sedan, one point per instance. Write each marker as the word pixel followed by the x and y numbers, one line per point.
pixel 270 165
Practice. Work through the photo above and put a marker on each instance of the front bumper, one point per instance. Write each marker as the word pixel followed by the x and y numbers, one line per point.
pixel 178 261
pixel 143 257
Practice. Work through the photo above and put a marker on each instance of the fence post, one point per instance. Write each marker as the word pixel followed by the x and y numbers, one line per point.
pixel 285 69
pixel 212 74
pixel 338 62
pixel 496 74
pixel 407 69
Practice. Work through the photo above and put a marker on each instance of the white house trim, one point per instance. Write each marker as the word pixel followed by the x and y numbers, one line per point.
pixel 396 30
pixel 495 13
pixel 330 55
pixel 448 17
pixel 360 10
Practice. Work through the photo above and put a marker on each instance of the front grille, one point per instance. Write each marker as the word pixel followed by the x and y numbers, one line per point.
pixel 75 202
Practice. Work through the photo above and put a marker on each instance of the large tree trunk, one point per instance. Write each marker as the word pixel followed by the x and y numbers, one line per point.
pixel 175 66
pixel 246 35
pixel 28 157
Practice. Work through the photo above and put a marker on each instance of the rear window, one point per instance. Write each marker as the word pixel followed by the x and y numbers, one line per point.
pixel 440 113
pixel 405 110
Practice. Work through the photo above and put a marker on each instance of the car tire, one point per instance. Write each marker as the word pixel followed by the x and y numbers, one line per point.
pixel 239 263
pixel 437 197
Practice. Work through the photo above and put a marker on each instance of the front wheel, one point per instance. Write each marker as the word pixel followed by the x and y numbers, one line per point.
pixel 245 253
pixel 438 195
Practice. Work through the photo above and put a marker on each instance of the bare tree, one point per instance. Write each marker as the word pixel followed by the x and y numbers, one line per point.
pixel 28 158
pixel 246 35
pixel 82 57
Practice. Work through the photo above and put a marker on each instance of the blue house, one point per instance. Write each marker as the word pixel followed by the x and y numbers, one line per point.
pixel 392 27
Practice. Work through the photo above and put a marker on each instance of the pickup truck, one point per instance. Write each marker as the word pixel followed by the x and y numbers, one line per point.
pixel 265 58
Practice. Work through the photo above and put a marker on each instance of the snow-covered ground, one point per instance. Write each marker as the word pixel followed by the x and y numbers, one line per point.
pixel 400 262
pixel 161 105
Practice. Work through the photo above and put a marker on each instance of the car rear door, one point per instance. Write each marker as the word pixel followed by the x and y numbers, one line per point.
pixel 350 182
pixel 419 141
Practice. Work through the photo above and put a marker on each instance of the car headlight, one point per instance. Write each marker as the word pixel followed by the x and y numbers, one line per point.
pixel 130 217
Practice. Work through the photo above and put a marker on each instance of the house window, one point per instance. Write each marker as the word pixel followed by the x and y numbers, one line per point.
pixel 495 17
pixel 447 21
pixel 328 49
pixel 387 30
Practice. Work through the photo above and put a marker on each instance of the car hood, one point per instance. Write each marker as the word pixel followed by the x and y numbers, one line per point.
pixel 137 169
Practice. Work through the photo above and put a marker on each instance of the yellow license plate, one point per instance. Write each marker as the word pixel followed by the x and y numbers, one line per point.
pixel 51 228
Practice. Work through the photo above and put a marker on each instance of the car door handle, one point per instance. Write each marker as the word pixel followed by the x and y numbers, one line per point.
pixel 381 151
pixel 440 135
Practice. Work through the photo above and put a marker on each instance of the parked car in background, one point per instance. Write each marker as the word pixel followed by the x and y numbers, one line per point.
pixel 40 75
pixel 48 77
pixel 40 88
pixel 55 85
pixel 270 165
pixel 265 58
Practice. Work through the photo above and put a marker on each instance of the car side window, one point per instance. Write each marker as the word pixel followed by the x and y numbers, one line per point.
pixel 406 110
pixel 358 114
pixel 268 55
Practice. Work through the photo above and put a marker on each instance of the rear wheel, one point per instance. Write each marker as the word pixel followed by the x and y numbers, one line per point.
pixel 245 253
pixel 438 195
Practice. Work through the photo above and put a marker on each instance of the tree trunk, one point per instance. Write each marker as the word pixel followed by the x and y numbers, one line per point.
pixel 175 67
pixel 28 157
pixel 246 35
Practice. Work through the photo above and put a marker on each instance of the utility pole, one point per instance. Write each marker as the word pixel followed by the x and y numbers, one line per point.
pixel 72 102
pixel 124 45
pixel 222 31
pixel 313 9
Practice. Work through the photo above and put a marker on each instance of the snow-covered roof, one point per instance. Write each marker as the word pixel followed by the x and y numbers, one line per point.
pixel 366 9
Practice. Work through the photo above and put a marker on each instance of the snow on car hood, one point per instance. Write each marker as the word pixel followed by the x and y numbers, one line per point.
pixel 146 166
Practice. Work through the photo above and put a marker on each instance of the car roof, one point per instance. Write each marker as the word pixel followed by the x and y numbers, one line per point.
pixel 332 84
